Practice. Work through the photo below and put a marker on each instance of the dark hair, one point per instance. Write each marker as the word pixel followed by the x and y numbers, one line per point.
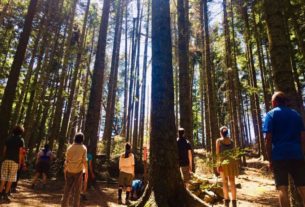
pixel 127 149
pixel 18 130
pixel 280 98
pixel 181 132
pixel 79 138
pixel 46 148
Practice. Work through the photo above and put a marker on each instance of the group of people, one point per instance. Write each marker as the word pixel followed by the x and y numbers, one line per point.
pixel 228 170
pixel 284 140
pixel 284 135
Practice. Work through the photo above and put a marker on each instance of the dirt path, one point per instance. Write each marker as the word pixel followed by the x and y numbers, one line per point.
pixel 257 190
pixel 105 195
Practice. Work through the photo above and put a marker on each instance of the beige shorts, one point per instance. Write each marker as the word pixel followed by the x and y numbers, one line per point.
pixel 9 170
pixel 125 179
pixel 185 173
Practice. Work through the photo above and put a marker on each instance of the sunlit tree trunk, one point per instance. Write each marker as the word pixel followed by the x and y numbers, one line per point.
pixel 280 60
pixel 11 86
pixel 185 100
pixel 67 115
pixel 95 99
pixel 112 86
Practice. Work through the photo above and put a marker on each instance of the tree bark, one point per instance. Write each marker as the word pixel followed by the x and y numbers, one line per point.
pixel 185 100
pixel 95 99
pixel 10 89
pixel 111 99
pixel 67 115
pixel 280 60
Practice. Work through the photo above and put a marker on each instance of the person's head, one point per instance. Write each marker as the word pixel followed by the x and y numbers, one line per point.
pixel 224 132
pixel 79 138
pixel 279 99
pixel 127 150
pixel 46 148
pixel 181 132
pixel 18 130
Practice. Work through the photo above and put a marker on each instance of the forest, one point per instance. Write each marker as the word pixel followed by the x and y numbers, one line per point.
pixel 137 70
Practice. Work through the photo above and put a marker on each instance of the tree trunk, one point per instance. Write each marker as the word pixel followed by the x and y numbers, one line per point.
pixel 60 99
pixel 131 83
pixel 252 75
pixel 168 192
pixel 280 59
pixel 67 115
pixel 111 99
pixel 95 99
pixel 231 90
pixel 135 138
pixel 185 100
pixel 143 90
pixel 210 90
pixel 123 132
pixel 11 86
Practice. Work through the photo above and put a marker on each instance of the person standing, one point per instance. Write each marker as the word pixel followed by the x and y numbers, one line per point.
pixel 228 166
pixel 285 144
pixel 13 156
pixel 76 161
pixel 185 156
pixel 22 168
pixel 43 163
pixel 127 173
pixel 87 183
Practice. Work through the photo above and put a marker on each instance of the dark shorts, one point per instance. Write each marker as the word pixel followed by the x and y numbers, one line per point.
pixel 43 167
pixel 283 168
pixel 125 179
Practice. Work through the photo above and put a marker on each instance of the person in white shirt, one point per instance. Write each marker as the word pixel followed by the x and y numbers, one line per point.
pixel 126 167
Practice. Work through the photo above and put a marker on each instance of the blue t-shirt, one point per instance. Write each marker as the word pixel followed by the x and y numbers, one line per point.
pixel 285 126
pixel 136 185
pixel 89 158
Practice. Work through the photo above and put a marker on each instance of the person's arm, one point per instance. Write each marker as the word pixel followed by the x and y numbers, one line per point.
pixel 37 158
pixel 120 162
pixel 21 157
pixel 66 163
pixel 4 151
pixel 217 155
pixel 190 156
pixel 85 164
pixel 268 144
pixel 52 157
pixel 133 165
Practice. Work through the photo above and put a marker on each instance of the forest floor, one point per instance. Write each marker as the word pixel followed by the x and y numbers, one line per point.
pixel 257 189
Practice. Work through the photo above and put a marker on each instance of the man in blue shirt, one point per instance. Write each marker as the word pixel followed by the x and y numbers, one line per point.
pixel 285 145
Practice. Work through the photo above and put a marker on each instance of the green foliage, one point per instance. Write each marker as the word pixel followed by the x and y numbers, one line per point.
pixel 117 147
pixel 225 157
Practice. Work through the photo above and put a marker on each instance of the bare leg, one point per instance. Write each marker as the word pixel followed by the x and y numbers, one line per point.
pixel 44 178
pixel 2 185
pixel 283 196
pixel 8 186
pixel 35 178
pixel 302 194
pixel 225 186
pixel 85 186
pixel 232 187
